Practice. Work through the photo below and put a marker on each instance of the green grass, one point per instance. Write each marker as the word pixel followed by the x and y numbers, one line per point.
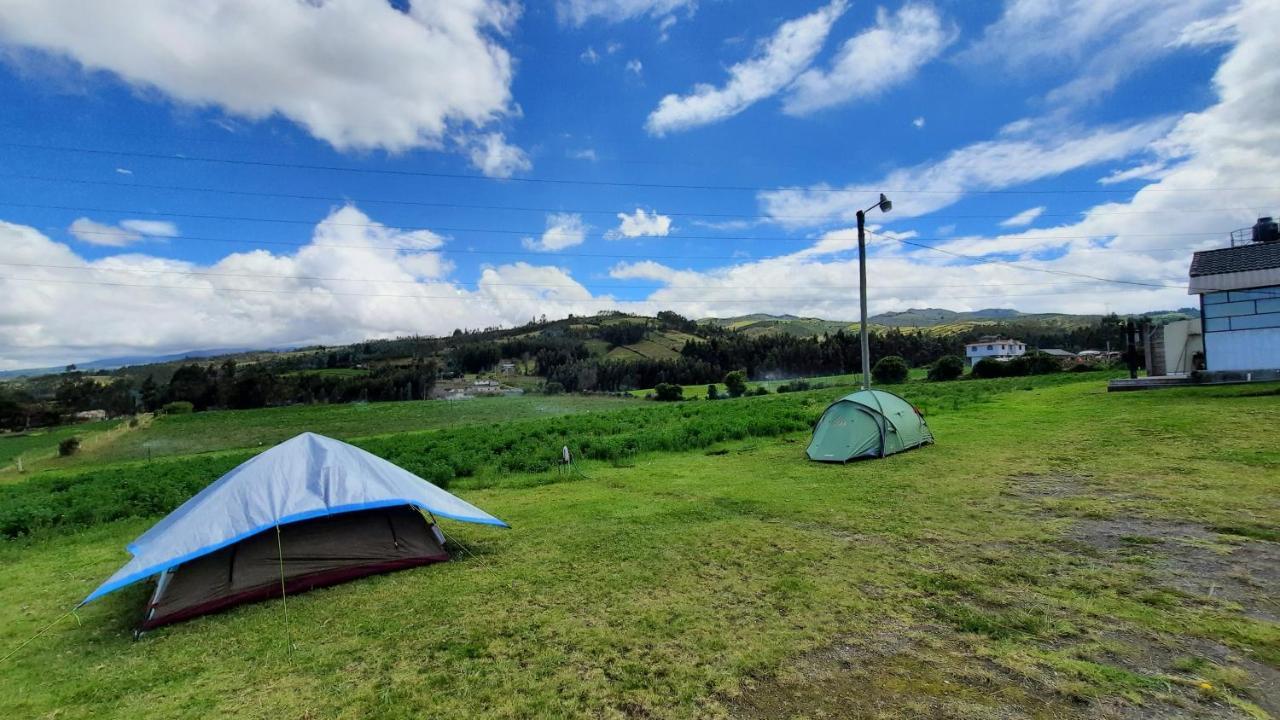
pixel 690 583
pixel 43 443
pixel 232 429
pixel 851 380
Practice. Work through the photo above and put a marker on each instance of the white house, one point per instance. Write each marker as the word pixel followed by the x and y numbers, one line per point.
pixel 1001 349
pixel 1239 289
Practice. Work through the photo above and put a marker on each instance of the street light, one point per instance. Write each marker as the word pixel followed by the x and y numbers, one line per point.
pixel 885 206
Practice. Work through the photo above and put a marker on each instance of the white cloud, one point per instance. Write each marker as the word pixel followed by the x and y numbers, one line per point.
pixel 1099 42
pixel 874 60
pixel 126 232
pixel 1145 171
pixel 491 155
pixel 579 12
pixel 590 56
pixel 775 65
pixel 584 154
pixel 918 122
pixel 124 171
pixel 635 66
pixel 564 230
pixel 1024 218
pixel 640 224
pixel 990 165
pixel 357 74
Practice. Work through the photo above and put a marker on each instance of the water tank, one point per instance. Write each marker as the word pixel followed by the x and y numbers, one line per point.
pixel 1266 230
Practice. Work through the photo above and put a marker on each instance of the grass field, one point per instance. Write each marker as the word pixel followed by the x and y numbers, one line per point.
pixel 42 444
pixel 222 430
pixel 696 392
pixel 1059 553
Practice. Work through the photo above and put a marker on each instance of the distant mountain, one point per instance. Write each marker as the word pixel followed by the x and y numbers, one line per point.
pixel 125 361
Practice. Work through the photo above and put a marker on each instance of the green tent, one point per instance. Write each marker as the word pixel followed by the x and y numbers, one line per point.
pixel 868 423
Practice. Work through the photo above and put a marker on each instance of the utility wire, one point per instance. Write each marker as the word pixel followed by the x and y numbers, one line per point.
pixel 581 211
pixel 576 181
pixel 499 231
pixel 322 293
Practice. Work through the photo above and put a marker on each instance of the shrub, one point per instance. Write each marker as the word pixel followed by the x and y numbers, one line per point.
pixel 987 368
pixel 552 388
pixel 713 392
pixel 1083 367
pixel 948 367
pixel 1040 364
pixel 668 392
pixel 736 383
pixel 757 391
pixel 178 407
pixel 794 386
pixel 890 370
pixel 69 446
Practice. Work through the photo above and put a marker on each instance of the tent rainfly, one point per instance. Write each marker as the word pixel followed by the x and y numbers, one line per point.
pixel 868 423
pixel 309 512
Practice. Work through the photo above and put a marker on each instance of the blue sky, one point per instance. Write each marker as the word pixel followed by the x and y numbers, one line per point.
pixel 178 176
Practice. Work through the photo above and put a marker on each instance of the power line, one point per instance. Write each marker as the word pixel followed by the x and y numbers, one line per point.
pixel 622 286
pixel 499 231
pixel 576 181
pixel 581 211
pixel 324 292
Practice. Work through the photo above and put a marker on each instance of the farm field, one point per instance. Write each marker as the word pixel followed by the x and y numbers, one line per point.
pixel 42 444
pixel 1060 553
pixel 851 380
pixel 234 429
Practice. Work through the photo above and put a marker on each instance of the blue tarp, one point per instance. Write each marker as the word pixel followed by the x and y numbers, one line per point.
pixel 299 479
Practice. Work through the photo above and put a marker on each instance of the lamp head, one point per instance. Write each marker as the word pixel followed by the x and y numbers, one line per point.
pixel 885 204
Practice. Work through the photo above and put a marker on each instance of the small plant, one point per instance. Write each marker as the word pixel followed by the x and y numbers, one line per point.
pixel 178 407
pixel 948 367
pixel 553 388
pixel 757 391
pixel 68 447
pixel 713 392
pixel 890 370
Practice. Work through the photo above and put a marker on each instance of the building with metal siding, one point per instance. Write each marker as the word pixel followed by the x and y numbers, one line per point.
pixel 1239 289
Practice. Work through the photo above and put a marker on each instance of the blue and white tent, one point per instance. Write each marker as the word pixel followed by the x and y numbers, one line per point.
pixel 316 509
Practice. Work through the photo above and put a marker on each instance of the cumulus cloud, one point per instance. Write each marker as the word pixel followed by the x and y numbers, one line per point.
pixel 774 66
pixel 358 74
pixel 640 224
pixel 126 232
pixel 492 155
pixel 564 230
pixel 634 66
pixel 589 56
pixel 874 60
pixel 1007 160
pixel 918 122
pixel 1099 42
pixel 1024 218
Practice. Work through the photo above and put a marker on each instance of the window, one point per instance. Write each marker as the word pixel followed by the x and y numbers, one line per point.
pixel 988 347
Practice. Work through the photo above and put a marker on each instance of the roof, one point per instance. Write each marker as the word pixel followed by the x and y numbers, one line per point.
pixel 1254 256
pixel 1057 353
pixel 992 341
pixel 306 477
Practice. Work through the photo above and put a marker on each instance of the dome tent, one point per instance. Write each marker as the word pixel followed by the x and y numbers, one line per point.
pixel 867 423
pixel 309 512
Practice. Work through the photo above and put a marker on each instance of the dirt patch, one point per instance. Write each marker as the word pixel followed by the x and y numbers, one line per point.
pixel 1033 487
pixel 931 672
pixel 1193 560
pixel 900 673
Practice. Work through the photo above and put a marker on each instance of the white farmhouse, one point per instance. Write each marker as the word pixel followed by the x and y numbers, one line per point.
pixel 1001 349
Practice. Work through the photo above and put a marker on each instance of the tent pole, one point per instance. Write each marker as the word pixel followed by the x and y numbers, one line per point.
pixel 284 601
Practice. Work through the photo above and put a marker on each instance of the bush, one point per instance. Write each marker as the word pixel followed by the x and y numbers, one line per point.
pixel 667 392
pixel 948 367
pixel 713 392
pixel 178 407
pixel 552 388
pixel 1039 363
pixel 987 368
pixel 736 383
pixel 1083 367
pixel 69 446
pixel 757 391
pixel 890 370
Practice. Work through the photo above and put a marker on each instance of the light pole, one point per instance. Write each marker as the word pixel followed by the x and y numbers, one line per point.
pixel 885 206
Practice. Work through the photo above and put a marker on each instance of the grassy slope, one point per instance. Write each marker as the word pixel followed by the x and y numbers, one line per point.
pixel 696 392
pixel 662 589
pixel 222 430
pixel 42 444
